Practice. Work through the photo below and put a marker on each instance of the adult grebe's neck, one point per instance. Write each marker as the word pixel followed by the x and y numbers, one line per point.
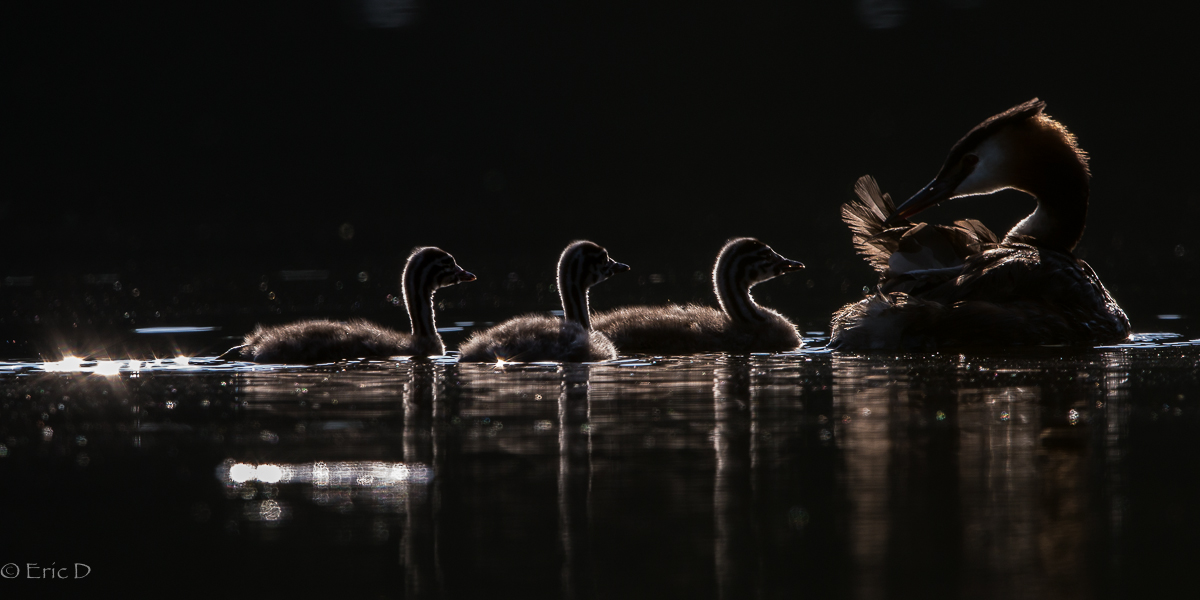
pixel 1061 188
pixel 1044 160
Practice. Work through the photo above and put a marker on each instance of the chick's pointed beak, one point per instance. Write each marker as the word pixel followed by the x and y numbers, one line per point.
pixel 615 267
pixel 463 276
pixel 787 265
pixel 929 195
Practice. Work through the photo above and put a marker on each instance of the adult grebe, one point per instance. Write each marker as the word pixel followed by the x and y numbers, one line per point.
pixel 740 326
pixel 961 286
pixel 533 338
pixel 317 341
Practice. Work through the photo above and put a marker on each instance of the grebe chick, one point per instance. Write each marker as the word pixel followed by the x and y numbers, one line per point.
pixel 316 341
pixel 961 286
pixel 533 338
pixel 740 326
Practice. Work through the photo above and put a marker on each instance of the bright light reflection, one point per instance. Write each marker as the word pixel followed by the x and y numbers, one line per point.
pixel 242 472
pixel 107 368
pixel 182 360
pixel 268 473
pixel 68 364
pixel 345 487
pixel 332 474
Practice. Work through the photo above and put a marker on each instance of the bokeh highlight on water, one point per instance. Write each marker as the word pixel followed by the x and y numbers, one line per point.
pixel 1041 473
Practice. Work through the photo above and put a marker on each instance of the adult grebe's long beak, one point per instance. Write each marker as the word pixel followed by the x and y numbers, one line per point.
pixel 930 195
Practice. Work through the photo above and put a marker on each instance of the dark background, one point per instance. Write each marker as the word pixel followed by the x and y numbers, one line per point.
pixel 194 151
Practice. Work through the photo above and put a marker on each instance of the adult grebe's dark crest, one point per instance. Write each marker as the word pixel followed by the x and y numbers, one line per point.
pixel 740 326
pixel 317 341
pixel 533 338
pixel 961 286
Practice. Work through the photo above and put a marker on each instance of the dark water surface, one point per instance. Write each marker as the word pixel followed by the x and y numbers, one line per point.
pixel 1042 474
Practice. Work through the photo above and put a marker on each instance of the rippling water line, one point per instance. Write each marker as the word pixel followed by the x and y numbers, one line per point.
pixel 1047 472
pixel 813 346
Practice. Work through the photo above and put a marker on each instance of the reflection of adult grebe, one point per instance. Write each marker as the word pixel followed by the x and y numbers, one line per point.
pixel 533 338
pixel 740 326
pixel 315 341
pixel 959 285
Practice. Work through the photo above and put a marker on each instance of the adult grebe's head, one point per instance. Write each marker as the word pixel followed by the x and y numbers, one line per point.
pixel 1021 148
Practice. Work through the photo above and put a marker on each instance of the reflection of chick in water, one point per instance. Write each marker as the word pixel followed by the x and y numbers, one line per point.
pixel 574 479
pixel 740 326
pixel 317 341
pixel 533 338
pixel 732 449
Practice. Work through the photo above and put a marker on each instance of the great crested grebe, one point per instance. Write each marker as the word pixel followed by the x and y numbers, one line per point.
pixel 533 338
pixel 961 286
pixel 740 326
pixel 321 340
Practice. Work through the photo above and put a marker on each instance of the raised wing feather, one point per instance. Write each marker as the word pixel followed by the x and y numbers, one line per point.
pixel 865 217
